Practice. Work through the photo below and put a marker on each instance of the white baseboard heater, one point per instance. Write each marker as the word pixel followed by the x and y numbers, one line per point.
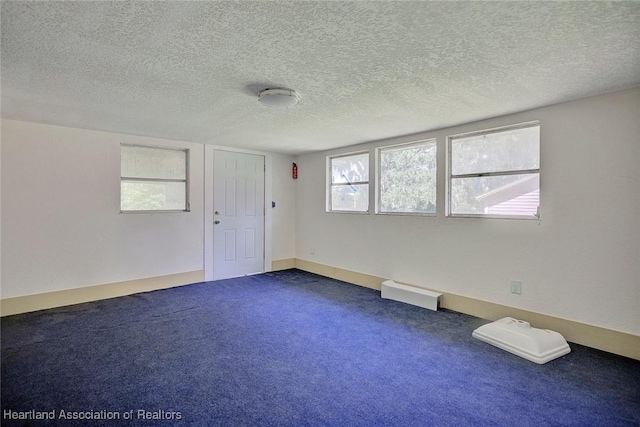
pixel 410 295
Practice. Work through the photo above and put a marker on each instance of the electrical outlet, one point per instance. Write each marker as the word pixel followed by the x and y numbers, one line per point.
pixel 516 287
pixel 312 251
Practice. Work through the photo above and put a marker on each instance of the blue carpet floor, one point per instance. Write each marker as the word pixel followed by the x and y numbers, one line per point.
pixel 292 349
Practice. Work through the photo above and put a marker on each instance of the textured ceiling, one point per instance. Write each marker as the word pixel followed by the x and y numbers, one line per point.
pixel 364 70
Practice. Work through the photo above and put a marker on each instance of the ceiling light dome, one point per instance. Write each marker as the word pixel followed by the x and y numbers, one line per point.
pixel 278 97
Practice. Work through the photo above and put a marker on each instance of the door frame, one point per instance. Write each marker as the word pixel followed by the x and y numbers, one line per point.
pixel 209 157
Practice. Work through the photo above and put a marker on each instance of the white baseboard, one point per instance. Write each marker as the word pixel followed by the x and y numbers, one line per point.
pixel 283 264
pixel 616 342
pixel 28 303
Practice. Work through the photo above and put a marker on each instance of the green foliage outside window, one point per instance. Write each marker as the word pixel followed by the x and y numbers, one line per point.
pixel 408 179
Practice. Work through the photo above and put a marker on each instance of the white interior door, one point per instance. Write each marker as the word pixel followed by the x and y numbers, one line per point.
pixel 238 203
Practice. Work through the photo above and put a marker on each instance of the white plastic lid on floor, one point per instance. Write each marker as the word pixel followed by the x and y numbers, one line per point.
pixel 518 337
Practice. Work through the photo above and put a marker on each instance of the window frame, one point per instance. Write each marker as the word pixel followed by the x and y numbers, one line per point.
pixel 404 145
pixel 138 179
pixel 451 176
pixel 330 184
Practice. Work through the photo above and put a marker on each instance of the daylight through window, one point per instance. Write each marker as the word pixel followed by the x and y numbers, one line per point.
pixel 349 186
pixel 495 173
pixel 153 179
pixel 407 178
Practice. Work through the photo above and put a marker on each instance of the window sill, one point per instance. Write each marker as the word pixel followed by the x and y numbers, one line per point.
pixel 154 211
pixel 518 217
pixel 350 212
pixel 432 215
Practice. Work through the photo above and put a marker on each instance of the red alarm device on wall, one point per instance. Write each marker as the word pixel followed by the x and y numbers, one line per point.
pixel 294 171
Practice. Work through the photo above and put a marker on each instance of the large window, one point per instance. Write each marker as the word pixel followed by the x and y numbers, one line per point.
pixel 153 179
pixel 495 173
pixel 407 178
pixel 349 183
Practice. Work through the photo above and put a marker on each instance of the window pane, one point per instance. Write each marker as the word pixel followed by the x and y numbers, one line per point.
pixel 143 196
pixel 350 197
pixel 350 169
pixel 510 150
pixel 148 162
pixel 408 179
pixel 512 195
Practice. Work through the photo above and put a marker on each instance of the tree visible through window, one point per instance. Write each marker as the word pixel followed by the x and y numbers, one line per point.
pixel 407 178
pixel 495 173
pixel 153 179
pixel 349 189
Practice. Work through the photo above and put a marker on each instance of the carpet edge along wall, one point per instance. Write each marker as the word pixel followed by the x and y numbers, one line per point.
pixel 616 342
pixel 292 348
pixel 43 301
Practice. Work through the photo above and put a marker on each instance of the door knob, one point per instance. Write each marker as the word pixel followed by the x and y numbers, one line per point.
pixel 216 222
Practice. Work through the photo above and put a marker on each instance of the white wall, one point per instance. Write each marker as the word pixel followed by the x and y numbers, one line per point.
pixel 580 262
pixel 284 214
pixel 60 221
pixel 61 226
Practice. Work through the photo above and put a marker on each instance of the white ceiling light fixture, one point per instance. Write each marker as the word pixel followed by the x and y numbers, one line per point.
pixel 278 97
